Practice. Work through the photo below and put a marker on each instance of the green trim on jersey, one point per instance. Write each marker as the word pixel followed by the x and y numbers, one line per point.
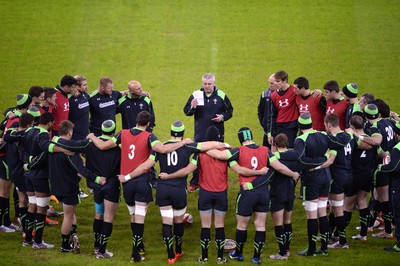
pixel 154 143
pixel 221 94
pixel 232 163
pixel 272 159
pixel 7 170
pixel 93 93
pixel 357 108
pixel 121 100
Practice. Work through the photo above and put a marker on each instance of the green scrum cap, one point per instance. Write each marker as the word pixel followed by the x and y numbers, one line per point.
pixel 304 121
pixel 23 101
pixel 350 90
pixel 34 111
pixel 108 127
pixel 371 111
pixel 177 129
pixel 245 134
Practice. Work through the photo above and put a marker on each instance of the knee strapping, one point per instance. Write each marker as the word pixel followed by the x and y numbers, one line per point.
pixel 42 201
pixel 140 210
pixel 322 203
pixel 310 206
pixel 336 203
pixel 167 213
pixel 131 209
pixel 32 199
pixel 180 212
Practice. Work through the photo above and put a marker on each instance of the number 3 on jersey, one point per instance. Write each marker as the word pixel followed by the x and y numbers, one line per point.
pixel 131 155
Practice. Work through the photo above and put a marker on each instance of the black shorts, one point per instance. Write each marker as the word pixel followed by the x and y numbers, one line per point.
pixel 361 181
pixel 276 204
pixel 341 185
pixel 313 192
pixel 251 201
pixel 20 184
pixel 174 196
pixel 69 200
pixel 41 185
pixel 19 181
pixel 111 191
pixel 21 187
pixel 213 200
pixel 137 190
pixel 4 173
pixel 381 179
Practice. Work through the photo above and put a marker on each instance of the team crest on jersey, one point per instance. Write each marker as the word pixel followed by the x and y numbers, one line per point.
pixel 141 106
pixel 330 110
pixel 303 107
pixel 215 101
pixel 284 103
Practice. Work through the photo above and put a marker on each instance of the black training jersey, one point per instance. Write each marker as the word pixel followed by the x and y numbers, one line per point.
pixel 14 151
pixel 310 149
pixel 362 161
pixel 342 145
pixel 386 129
pixel 216 103
pixel 103 163
pixel 130 108
pixel 282 186
pixel 176 160
pixel 352 110
pixel 63 172
pixel 265 114
pixel 102 108
pixel 37 141
pixel 394 164
pixel 79 115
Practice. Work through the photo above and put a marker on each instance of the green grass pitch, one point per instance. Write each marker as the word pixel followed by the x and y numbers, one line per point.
pixel 167 46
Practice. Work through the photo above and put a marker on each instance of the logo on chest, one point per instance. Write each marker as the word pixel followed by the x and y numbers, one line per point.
pixel 303 108
pixel 330 110
pixel 284 103
pixel 66 106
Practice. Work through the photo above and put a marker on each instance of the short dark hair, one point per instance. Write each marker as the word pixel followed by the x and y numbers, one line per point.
pixel 65 127
pixel 26 120
pixel 281 75
pixel 301 82
pixel 35 91
pixel 332 85
pixel 45 118
pixel 357 122
pixel 383 107
pixel 68 81
pixel 332 119
pixel 48 92
pixel 281 141
pixel 143 118
pixel 368 97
